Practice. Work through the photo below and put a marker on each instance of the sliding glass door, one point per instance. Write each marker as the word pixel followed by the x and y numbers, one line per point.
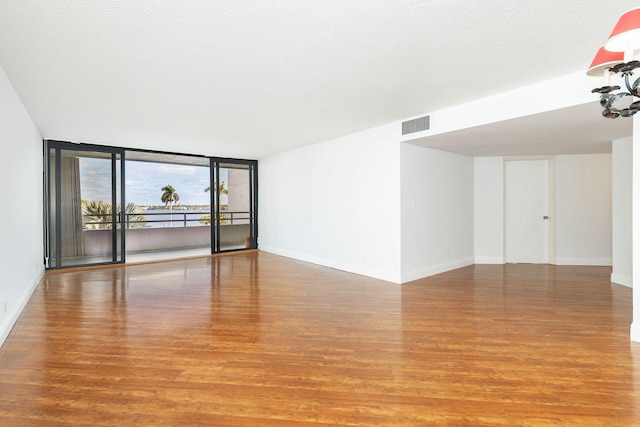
pixel 176 205
pixel 234 204
pixel 82 210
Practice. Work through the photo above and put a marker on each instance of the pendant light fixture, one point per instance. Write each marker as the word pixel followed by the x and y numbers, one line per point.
pixel 616 57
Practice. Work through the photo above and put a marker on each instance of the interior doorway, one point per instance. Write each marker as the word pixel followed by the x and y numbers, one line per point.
pixel 528 205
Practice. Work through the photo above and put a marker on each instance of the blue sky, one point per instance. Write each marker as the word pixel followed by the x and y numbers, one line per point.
pixel 144 180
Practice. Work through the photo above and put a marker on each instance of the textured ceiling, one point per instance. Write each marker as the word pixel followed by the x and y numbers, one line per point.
pixel 251 78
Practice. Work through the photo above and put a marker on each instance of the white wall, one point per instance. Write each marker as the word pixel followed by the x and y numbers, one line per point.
pixel 569 90
pixel 583 209
pixel 488 210
pixel 238 189
pixel 437 211
pixel 635 232
pixel 21 253
pixel 621 175
pixel 336 203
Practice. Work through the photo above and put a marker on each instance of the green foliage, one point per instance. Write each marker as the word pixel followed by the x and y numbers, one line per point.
pixel 96 214
pixel 221 189
pixel 169 195
pixel 206 219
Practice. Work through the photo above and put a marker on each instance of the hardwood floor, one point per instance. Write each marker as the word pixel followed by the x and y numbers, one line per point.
pixel 258 340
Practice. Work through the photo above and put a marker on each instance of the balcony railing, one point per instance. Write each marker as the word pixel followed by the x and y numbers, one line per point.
pixel 184 232
pixel 164 219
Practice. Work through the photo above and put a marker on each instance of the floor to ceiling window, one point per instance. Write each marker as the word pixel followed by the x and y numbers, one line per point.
pixel 234 201
pixel 84 194
pixel 169 207
pixel 174 205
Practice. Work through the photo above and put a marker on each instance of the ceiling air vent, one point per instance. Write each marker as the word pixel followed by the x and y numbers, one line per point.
pixel 415 125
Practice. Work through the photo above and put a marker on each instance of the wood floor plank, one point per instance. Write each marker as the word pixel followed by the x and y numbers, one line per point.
pixel 256 340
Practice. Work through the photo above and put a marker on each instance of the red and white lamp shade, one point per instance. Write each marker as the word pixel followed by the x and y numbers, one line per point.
pixel 625 36
pixel 603 62
pixel 616 56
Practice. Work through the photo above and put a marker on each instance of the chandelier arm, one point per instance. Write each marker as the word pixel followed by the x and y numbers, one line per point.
pixel 609 104
pixel 626 82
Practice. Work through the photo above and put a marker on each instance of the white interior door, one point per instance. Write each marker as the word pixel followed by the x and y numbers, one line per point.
pixel 527 204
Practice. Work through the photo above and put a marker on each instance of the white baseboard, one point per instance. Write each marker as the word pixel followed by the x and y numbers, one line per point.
pixel 436 269
pixel 371 272
pixel 338 265
pixel 604 262
pixel 621 279
pixel 16 310
pixel 489 260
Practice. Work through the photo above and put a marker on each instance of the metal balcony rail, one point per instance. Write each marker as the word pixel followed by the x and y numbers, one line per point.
pixel 184 219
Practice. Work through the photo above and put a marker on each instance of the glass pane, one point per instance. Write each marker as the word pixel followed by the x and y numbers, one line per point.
pixel 168 206
pixel 86 211
pixel 118 183
pixel 235 206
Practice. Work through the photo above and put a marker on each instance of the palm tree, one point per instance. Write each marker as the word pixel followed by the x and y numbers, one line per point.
pixel 221 190
pixel 135 217
pixel 97 215
pixel 169 197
